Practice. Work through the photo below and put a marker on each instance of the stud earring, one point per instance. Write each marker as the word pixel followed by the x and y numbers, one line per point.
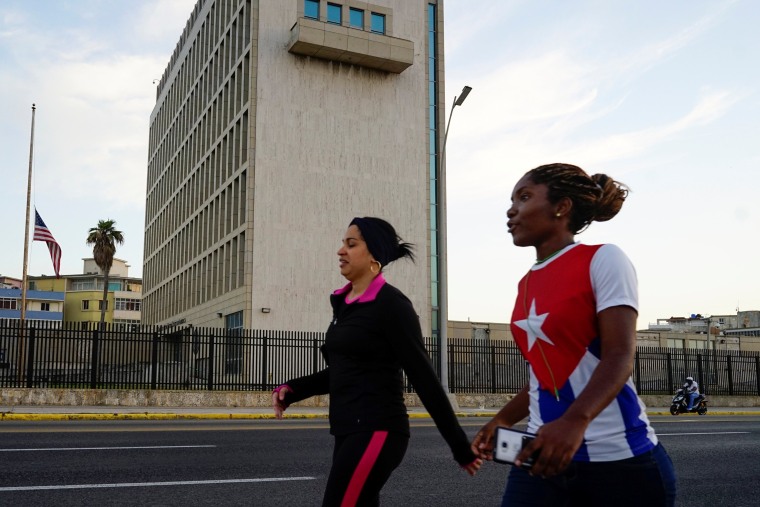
pixel 559 215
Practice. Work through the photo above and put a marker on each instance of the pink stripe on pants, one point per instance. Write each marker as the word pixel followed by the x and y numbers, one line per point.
pixel 364 468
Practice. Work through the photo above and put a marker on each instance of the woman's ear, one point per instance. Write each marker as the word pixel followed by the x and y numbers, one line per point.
pixel 564 207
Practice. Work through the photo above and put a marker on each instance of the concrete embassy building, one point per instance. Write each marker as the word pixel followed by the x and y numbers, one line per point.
pixel 276 122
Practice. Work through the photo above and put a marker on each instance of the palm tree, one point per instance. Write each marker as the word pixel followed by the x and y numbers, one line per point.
pixel 104 238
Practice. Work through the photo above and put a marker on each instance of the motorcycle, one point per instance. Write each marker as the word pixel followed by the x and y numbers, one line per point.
pixel 681 401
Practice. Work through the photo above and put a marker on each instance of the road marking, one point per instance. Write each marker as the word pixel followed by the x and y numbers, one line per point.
pixel 42 449
pixel 152 484
pixel 706 433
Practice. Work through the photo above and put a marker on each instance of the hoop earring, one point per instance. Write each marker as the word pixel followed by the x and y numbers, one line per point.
pixel 379 267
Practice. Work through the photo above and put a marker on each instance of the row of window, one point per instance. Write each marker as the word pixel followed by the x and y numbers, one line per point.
pixel 129 305
pixel 93 284
pixel 433 156
pixel 86 304
pixel 334 14
pixel 218 273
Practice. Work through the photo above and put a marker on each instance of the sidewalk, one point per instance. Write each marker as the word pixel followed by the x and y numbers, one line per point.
pixel 66 413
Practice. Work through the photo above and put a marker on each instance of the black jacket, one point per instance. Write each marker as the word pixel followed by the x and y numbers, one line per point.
pixel 366 347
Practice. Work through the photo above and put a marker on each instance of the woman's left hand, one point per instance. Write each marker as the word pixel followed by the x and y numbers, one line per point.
pixel 473 467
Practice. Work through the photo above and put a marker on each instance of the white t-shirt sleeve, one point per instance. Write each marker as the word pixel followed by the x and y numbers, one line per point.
pixel 613 279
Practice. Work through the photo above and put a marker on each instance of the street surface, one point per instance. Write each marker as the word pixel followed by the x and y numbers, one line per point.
pixel 284 463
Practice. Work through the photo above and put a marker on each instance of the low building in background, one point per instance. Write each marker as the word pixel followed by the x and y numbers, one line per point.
pixel 84 294
pixel 40 305
pixel 739 332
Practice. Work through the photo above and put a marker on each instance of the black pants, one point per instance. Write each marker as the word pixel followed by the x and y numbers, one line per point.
pixel 362 463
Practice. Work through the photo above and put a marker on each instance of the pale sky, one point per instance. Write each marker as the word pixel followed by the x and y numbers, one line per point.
pixel 663 96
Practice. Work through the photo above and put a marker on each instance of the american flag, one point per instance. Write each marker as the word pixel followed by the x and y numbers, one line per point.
pixel 42 233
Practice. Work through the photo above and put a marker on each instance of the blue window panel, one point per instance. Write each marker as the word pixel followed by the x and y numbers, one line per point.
pixel 377 23
pixel 433 217
pixel 434 299
pixel 433 245
pixel 356 18
pixel 311 9
pixel 433 166
pixel 431 42
pixel 432 138
pixel 334 14
pixel 431 66
pixel 435 321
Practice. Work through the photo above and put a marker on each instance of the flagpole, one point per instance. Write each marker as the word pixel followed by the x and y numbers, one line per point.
pixel 26 253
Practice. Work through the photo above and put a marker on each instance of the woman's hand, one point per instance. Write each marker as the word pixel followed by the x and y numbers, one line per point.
pixel 473 467
pixel 482 444
pixel 557 441
pixel 278 400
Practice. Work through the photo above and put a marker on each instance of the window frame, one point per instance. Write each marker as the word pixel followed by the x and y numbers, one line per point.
pixel 372 18
pixel 351 12
pixel 331 8
pixel 312 4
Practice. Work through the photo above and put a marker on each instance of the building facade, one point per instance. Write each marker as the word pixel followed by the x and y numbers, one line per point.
pixel 82 294
pixel 276 122
pixel 41 305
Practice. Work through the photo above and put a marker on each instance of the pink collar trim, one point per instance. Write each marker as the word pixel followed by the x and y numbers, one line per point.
pixel 369 295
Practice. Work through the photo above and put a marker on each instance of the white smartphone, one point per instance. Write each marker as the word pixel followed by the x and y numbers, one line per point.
pixel 509 443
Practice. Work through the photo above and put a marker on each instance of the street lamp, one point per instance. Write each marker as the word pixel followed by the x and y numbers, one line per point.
pixel 443 302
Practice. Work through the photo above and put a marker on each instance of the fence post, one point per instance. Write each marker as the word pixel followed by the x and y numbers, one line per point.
pixel 211 361
pixel 315 356
pixel 757 373
pixel 154 362
pixel 730 375
pixel 30 359
pixel 700 372
pixel 669 367
pixel 264 360
pixel 637 365
pixel 94 360
pixel 493 369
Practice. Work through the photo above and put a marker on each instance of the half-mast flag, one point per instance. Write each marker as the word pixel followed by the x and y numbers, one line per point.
pixel 42 233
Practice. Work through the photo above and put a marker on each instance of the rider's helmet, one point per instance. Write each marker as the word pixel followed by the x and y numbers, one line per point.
pixel 689 379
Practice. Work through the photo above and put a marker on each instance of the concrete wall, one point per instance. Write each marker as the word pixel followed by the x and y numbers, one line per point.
pixel 146 398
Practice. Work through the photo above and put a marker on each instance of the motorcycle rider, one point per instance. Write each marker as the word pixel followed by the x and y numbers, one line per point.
pixel 691 388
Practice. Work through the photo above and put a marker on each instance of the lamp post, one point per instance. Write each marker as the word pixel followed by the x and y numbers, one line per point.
pixel 443 302
pixel 709 366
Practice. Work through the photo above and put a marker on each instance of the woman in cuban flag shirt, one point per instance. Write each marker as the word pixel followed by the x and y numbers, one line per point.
pixel 575 323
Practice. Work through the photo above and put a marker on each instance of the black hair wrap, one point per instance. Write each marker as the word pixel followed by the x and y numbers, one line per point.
pixel 381 240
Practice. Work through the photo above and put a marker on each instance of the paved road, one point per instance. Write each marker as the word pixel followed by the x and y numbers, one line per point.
pixel 283 463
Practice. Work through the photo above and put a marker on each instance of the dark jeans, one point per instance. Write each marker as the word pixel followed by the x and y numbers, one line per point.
pixel 646 480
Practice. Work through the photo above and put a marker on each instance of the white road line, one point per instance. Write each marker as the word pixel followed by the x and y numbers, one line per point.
pixel 707 433
pixel 44 449
pixel 152 484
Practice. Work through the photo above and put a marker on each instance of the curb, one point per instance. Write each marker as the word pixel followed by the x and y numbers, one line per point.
pixel 146 416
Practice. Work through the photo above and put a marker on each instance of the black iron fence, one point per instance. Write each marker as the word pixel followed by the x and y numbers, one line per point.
pixel 141 357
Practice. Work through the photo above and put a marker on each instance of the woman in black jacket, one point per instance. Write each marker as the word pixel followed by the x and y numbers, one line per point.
pixel 374 335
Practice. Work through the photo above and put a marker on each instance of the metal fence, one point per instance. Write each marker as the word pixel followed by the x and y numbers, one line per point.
pixel 141 357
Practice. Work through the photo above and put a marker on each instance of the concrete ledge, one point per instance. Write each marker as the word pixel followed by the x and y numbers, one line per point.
pixel 326 41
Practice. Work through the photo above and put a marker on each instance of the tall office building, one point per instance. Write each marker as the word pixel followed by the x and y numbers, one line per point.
pixel 276 122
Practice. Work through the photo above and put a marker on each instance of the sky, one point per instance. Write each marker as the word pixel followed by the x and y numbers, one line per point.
pixel 662 96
